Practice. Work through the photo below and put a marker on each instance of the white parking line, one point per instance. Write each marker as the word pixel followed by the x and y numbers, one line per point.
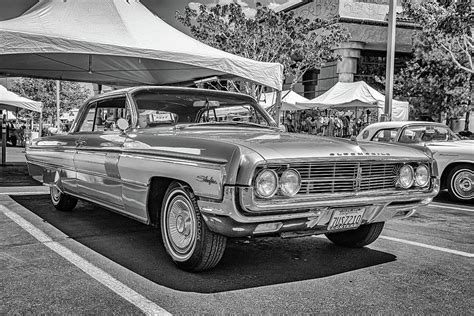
pixel 141 302
pixel 30 190
pixel 414 243
pixel 22 193
pixel 451 207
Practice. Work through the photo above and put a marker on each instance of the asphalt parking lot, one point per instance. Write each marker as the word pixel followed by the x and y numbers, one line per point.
pixel 95 261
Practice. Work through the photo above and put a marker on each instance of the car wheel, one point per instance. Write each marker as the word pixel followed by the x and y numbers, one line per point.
pixel 62 202
pixel 191 245
pixel 461 183
pixel 360 237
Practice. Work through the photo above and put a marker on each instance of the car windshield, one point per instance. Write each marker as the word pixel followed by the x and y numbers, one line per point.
pixel 195 108
pixel 427 133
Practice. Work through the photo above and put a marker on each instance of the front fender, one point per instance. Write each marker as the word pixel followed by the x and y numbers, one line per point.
pixel 205 178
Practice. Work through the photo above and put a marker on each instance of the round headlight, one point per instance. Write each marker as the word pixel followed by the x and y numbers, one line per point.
pixel 422 176
pixel 290 182
pixel 405 179
pixel 266 183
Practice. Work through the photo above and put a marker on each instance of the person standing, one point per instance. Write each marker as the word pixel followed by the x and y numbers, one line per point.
pixel 331 126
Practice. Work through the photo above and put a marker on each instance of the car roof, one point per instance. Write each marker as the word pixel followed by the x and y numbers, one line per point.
pixel 398 124
pixel 124 91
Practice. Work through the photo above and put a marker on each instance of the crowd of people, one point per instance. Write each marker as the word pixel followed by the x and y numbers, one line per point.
pixel 328 123
pixel 15 133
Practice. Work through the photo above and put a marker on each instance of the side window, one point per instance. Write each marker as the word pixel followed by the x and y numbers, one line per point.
pixel 103 115
pixel 412 134
pixel 88 122
pixel 441 134
pixel 385 136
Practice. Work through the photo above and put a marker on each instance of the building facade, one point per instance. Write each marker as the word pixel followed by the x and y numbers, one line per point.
pixel 363 56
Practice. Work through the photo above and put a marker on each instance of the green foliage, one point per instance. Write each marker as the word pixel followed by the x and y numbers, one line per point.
pixel 297 43
pixel 434 85
pixel 438 79
pixel 447 27
pixel 72 95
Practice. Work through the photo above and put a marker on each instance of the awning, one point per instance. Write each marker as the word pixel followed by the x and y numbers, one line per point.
pixel 11 101
pixel 116 42
pixel 356 95
pixel 346 94
pixel 289 99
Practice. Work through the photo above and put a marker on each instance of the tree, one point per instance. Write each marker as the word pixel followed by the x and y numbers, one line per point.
pixel 438 79
pixel 72 95
pixel 297 43
pixel 435 86
pixel 447 26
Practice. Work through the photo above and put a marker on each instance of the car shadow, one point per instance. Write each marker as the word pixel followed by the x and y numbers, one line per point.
pixel 246 263
pixel 443 197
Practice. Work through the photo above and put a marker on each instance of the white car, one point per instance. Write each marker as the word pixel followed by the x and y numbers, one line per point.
pixel 455 157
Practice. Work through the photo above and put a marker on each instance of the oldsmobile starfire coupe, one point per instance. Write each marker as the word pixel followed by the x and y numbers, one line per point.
pixel 454 156
pixel 204 166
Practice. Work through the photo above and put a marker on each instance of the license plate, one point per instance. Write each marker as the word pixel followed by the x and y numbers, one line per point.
pixel 346 218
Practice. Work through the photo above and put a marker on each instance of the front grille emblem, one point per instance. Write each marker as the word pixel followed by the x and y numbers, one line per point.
pixel 358 179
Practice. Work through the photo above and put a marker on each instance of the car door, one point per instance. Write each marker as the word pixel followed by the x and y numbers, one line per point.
pixel 98 147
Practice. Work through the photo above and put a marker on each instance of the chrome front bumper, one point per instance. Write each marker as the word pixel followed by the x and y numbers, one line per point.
pixel 239 215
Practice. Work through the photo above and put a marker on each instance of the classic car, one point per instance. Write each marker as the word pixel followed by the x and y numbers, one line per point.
pixel 204 166
pixel 454 156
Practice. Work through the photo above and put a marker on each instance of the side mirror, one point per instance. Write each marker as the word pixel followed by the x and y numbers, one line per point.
pixel 122 125
pixel 282 128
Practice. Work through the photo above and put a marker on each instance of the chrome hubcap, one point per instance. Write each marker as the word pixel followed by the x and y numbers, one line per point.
pixel 180 223
pixel 464 184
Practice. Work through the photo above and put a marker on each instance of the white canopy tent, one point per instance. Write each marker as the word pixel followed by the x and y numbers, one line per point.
pixel 359 95
pixel 115 42
pixel 9 115
pixel 289 99
pixel 10 101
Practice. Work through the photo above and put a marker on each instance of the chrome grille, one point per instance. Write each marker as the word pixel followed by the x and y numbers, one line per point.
pixel 339 177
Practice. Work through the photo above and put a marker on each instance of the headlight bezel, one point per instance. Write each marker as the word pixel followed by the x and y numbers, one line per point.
pixel 428 176
pixel 284 192
pixel 256 185
pixel 411 178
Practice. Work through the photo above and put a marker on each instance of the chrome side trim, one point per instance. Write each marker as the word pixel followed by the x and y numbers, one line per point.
pixel 163 154
pixel 66 149
pixel 94 174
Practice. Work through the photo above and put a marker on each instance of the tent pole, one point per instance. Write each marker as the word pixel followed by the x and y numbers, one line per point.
pixel 3 126
pixel 57 103
pixel 278 107
pixel 40 123
pixel 392 21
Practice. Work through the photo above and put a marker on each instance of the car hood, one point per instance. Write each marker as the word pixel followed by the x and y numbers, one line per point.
pixel 276 145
